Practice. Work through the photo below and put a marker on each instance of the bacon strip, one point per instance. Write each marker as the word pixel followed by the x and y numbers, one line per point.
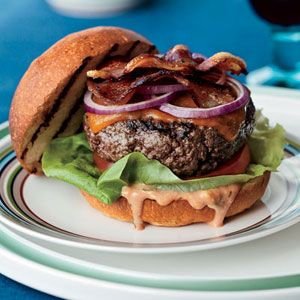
pixel 204 94
pixel 111 92
pixel 114 68
pixel 177 59
pixel 150 61
pixel 223 61
pixel 120 91
pixel 117 82
pixel 181 54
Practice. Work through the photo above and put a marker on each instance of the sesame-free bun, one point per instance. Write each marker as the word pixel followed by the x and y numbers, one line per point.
pixel 180 212
pixel 52 88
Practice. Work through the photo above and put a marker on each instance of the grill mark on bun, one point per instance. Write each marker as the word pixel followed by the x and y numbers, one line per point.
pixel 113 49
pixel 152 49
pixel 78 106
pixel 142 48
pixel 57 103
pixel 24 153
pixel 131 49
pixel 67 99
pixel 59 99
pixel 72 125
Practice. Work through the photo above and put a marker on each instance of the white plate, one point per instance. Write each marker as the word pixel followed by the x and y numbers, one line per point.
pixel 211 270
pixel 24 266
pixel 53 210
pixel 70 286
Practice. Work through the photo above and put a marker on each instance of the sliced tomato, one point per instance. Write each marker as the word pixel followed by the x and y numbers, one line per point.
pixel 236 165
pixel 101 164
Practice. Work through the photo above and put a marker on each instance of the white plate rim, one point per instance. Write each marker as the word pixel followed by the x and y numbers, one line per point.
pixel 94 286
pixel 133 275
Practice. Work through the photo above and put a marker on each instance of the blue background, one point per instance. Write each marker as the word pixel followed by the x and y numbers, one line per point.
pixel 29 27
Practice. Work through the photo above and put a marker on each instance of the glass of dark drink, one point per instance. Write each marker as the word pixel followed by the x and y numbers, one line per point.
pixel 284 18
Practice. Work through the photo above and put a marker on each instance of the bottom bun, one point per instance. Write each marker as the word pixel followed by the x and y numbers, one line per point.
pixel 180 212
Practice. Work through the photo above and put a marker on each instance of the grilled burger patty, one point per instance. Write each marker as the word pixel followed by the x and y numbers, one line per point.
pixel 187 149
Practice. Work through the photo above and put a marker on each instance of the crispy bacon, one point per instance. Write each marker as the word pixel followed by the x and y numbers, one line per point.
pixel 111 92
pixel 205 94
pixel 113 68
pixel 180 54
pixel 223 61
pixel 177 59
pixel 119 80
pixel 120 91
pixel 156 62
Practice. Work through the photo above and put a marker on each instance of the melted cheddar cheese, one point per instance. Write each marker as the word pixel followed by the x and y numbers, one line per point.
pixel 227 125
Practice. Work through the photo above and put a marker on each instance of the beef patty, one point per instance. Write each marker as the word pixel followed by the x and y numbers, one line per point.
pixel 185 148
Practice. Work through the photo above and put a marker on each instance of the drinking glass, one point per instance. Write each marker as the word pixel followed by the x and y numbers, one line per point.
pixel 284 19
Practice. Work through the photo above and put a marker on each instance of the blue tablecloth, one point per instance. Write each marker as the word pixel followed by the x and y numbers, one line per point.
pixel 29 27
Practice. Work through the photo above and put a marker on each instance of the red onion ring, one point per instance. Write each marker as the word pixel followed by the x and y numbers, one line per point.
pixel 161 89
pixel 92 107
pixel 243 96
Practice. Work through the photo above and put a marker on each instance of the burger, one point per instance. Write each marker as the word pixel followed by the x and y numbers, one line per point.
pixel 166 139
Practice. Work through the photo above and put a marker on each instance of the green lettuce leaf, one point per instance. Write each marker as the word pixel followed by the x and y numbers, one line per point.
pixel 266 143
pixel 70 159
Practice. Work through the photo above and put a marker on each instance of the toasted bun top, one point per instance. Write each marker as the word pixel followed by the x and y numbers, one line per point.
pixel 54 84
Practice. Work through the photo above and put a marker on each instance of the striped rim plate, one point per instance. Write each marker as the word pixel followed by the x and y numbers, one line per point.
pixel 163 279
pixel 54 211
